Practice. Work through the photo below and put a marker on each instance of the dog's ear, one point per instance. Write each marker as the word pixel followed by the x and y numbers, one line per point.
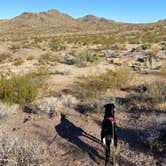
pixel 63 116
pixel 105 106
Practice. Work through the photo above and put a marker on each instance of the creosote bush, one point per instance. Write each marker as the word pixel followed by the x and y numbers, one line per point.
pixel 94 86
pixel 19 89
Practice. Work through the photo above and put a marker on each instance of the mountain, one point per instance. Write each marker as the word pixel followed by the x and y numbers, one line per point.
pixel 54 22
pixel 97 22
pixel 94 19
pixel 43 19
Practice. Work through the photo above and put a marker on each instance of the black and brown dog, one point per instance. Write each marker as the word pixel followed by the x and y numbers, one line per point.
pixel 108 132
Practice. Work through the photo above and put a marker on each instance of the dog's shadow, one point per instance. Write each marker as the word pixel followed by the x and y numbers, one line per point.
pixel 72 133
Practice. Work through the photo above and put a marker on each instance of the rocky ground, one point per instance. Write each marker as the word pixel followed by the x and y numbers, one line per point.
pixel 75 139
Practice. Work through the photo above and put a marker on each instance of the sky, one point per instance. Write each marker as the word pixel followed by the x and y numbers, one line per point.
pixel 131 11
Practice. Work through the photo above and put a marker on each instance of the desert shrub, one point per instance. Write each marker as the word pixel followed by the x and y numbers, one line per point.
pixel 18 62
pixel 3 57
pixel 82 58
pixel 163 71
pixel 69 60
pixel 19 89
pixel 38 40
pixel 118 46
pixel 94 86
pixel 146 46
pixel 21 152
pixel 132 39
pixel 87 56
pixel 48 58
pixel 163 46
pixel 30 58
pixel 150 95
pixel 56 45
pixel 15 47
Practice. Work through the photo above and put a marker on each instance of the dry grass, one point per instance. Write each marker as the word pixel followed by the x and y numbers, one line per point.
pixel 149 95
pixel 21 152
pixel 94 86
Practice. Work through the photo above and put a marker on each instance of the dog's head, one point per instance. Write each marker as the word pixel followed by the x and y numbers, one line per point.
pixel 109 110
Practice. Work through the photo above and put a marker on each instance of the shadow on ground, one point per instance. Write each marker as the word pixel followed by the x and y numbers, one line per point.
pixel 72 133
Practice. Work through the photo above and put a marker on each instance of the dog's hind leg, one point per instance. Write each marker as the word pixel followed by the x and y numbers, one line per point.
pixel 107 152
pixel 106 156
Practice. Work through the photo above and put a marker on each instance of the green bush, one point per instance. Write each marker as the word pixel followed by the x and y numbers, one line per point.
pixel 18 89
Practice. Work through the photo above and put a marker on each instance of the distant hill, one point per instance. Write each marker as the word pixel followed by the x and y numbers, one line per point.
pixel 94 19
pixel 54 22
pixel 54 18
pixel 50 18
pixel 96 22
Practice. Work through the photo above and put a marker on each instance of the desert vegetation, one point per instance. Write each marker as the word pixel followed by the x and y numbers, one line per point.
pixel 12 152
pixel 74 67
pixel 20 89
pixel 94 86
pixel 148 95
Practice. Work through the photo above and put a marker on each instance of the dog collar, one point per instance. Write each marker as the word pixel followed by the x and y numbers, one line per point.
pixel 112 119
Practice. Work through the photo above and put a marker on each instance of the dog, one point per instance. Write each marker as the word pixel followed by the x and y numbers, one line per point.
pixel 108 132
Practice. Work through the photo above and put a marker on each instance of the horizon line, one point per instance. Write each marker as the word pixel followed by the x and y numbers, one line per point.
pixel 35 12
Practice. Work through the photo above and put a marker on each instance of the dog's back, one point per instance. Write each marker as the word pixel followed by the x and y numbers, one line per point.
pixel 107 125
pixel 106 128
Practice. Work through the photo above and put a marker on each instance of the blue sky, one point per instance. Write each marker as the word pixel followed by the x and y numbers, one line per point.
pixel 120 10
